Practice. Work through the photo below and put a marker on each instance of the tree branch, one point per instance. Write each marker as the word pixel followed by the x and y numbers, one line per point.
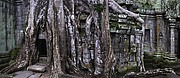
pixel 117 8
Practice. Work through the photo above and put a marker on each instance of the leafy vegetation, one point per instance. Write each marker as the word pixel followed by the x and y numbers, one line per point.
pixel 122 72
pixel 13 53
pixel 98 7
pixel 152 62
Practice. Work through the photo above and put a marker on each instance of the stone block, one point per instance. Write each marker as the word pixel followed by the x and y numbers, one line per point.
pixel 23 74
pixel 68 76
pixel 34 76
pixel 37 68
pixel 5 76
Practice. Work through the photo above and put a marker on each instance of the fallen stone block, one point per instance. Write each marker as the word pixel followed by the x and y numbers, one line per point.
pixel 37 68
pixel 23 74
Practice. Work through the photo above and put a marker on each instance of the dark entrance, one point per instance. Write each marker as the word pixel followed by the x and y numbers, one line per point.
pixel 178 45
pixel 41 47
pixel 178 38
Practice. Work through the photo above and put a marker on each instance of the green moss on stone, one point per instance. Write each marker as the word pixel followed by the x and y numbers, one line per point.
pixel 4 55
pixel 5 60
pixel 114 24
pixel 121 72
pixel 3 66
pixel 83 16
pixel 14 52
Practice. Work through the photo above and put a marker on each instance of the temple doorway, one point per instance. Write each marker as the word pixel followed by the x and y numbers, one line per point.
pixel 41 47
pixel 178 38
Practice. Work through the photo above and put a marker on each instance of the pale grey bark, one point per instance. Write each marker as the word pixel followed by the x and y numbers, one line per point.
pixel 54 39
pixel 142 68
pixel 62 33
pixel 56 17
pixel 138 43
pixel 98 57
pixel 117 8
pixel 29 34
pixel 109 56
pixel 72 40
pixel 87 44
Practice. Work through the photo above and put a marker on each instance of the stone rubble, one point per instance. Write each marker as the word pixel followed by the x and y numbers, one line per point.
pixel 149 73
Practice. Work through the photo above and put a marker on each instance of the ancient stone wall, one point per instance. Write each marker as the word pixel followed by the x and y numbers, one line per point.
pixel 7 41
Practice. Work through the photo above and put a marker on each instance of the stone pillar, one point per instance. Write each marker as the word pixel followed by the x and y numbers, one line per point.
pixel 159 32
pixel 172 38
pixel 18 23
pixel 172 26
pixel 139 48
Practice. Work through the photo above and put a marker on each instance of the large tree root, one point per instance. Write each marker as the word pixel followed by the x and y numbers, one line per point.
pixel 15 67
pixel 19 64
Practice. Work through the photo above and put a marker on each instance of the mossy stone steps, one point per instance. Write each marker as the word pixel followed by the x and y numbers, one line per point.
pixel 4 60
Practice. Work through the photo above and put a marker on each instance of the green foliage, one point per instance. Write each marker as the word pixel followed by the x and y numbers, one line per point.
pixel 98 7
pixel 11 62
pixel 152 62
pixel 13 53
pixel 83 16
pixel 132 69
pixel 122 71
pixel 172 4
pixel 146 4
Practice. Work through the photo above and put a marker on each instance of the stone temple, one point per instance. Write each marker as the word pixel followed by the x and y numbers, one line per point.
pixel 158 36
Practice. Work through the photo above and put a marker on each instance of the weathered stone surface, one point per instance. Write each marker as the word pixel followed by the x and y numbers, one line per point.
pixel 37 68
pixel 38 74
pixel 34 76
pixel 42 60
pixel 5 76
pixel 156 73
pixel 68 76
pixel 23 74
pixel 45 76
pixel 170 75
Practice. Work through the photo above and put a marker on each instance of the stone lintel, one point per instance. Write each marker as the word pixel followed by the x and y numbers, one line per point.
pixel 152 17
pixel 172 25
pixel 172 20
pixel 159 15
pixel 139 32
pixel 18 2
